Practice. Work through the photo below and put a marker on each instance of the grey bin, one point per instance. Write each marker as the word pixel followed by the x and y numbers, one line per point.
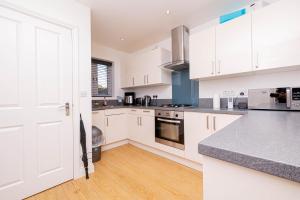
pixel 97 139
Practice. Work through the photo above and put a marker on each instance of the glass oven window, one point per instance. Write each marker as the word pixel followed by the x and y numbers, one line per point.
pixel 170 131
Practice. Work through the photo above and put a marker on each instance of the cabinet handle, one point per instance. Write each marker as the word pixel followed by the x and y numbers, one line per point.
pixel 257 60
pixel 133 110
pixel 207 122
pixel 132 81
pixel 140 121
pixel 219 71
pixel 212 67
pixel 107 121
pixel 214 122
pixel 146 111
pixel 147 79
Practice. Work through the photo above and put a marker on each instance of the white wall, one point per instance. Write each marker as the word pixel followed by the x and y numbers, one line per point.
pixel 71 13
pixel 283 79
pixel 118 58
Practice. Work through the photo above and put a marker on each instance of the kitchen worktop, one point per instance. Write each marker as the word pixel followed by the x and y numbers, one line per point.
pixel 266 141
pixel 186 109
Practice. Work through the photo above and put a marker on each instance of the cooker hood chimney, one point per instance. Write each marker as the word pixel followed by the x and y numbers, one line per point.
pixel 180 49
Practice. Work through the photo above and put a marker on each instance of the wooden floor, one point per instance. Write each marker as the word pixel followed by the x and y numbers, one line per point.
pixel 131 173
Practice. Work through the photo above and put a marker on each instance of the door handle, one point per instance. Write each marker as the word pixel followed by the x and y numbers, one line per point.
pixel 65 107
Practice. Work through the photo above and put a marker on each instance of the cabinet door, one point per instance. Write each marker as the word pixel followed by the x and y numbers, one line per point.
pixel 276 35
pixel 133 126
pixel 202 54
pixel 197 127
pixel 147 130
pixel 154 74
pixel 220 121
pixel 234 46
pixel 98 120
pixel 115 128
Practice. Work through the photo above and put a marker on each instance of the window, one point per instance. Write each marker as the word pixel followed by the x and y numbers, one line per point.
pixel 101 78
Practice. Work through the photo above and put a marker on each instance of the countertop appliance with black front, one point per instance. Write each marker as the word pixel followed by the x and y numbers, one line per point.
pixel 129 98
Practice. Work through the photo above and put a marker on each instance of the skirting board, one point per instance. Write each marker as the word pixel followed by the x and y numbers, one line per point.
pixel 114 145
pixel 169 156
pixel 164 154
pixel 82 170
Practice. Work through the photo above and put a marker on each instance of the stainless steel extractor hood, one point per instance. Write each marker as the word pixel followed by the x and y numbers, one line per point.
pixel 180 49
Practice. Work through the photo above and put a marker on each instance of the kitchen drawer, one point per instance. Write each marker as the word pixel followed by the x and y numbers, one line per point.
pixel 133 111
pixel 140 111
pixel 115 111
pixel 147 112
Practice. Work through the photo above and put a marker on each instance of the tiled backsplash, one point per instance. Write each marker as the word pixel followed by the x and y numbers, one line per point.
pixel 203 102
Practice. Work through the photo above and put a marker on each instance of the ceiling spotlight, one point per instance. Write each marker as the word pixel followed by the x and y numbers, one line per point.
pixel 167 12
pixel 122 39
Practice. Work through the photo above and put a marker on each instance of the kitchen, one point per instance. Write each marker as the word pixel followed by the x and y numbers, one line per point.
pixel 197 101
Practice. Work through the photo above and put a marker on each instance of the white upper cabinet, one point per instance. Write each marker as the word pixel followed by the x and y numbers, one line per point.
pixel 203 53
pixel 224 49
pixel 144 69
pixel 276 35
pixel 234 46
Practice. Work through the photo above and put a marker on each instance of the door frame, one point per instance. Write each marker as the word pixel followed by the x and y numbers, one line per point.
pixel 77 169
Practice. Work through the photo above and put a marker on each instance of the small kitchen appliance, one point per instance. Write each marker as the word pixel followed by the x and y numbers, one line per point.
pixel 147 100
pixel 129 98
pixel 285 98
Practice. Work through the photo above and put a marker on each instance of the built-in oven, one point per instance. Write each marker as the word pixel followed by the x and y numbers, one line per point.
pixel 169 128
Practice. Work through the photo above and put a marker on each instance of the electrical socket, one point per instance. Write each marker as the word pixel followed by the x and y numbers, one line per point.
pixel 244 91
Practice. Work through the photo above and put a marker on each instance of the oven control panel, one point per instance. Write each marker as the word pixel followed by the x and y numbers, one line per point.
pixel 171 114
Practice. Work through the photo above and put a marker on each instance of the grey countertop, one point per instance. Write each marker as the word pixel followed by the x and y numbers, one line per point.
pixel 266 141
pixel 187 109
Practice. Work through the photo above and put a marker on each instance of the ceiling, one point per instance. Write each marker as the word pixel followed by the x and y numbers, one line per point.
pixel 129 25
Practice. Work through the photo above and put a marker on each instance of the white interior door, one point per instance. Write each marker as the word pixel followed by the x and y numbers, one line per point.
pixel 36 138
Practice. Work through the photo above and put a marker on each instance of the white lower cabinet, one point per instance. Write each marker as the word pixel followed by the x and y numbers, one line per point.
pixel 98 120
pixel 196 129
pixel 138 125
pixel 198 126
pixel 112 123
pixel 115 128
pixel 141 126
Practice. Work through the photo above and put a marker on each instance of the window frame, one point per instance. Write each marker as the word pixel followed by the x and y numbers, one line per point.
pixel 109 63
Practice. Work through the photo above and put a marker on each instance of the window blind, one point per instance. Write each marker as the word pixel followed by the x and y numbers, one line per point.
pixel 101 78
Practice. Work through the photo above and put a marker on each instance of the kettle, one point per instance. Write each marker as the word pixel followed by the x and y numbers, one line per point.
pixel 147 100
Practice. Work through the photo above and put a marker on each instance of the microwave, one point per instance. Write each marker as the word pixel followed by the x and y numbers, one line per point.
pixel 284 98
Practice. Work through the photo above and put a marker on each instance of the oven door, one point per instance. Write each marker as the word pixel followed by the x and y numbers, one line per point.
pixel 169 132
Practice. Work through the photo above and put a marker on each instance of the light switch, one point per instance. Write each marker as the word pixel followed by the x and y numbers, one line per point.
pixel 83 93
